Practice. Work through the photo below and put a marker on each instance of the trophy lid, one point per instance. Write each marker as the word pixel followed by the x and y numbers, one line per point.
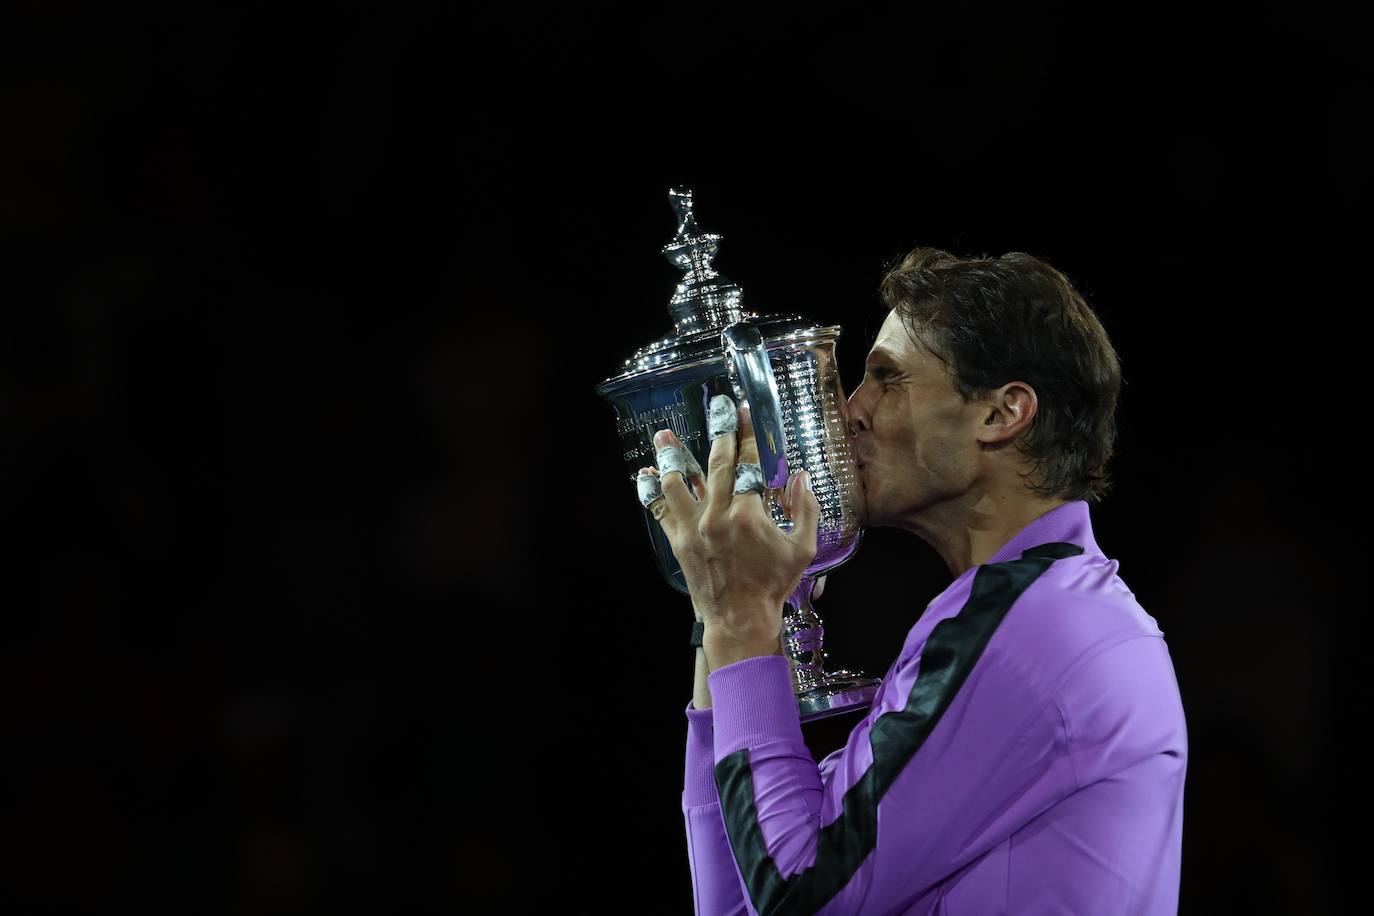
pixel 702 306
pixel 704 298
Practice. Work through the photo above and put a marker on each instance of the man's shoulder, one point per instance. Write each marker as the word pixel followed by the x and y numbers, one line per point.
pixel 1077 607
pixel 1083 600
pixel 1093 648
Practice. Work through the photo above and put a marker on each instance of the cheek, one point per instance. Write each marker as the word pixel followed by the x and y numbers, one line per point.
pixel 908 427
pixel 935 451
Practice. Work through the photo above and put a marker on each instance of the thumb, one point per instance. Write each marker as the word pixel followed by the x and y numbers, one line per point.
pixel 806 514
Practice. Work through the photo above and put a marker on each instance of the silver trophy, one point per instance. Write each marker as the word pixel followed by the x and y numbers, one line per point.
pixel 784 367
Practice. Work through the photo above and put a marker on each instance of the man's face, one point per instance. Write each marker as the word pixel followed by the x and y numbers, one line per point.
pixel 915 437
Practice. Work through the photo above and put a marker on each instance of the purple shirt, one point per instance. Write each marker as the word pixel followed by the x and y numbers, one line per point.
pixel 1025 754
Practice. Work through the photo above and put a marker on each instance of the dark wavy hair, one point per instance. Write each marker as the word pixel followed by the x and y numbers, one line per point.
pixel 1016 318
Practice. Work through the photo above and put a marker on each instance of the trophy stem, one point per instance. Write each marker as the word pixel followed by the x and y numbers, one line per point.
pixel 819 693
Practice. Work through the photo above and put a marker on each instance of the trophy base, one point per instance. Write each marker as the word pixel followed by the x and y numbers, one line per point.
pixel 840 692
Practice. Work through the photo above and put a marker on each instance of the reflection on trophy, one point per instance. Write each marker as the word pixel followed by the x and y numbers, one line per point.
pixel 784 367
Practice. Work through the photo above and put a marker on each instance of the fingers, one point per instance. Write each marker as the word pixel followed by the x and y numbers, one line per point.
pixel 819 589
pixel 732 442
pixel 748 444
pixel 749 454
pixel 651 492
pixel 805 513
pixel 723 423
pixel 675 463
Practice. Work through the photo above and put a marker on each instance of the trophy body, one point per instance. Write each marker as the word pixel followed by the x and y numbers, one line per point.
pixel 785 368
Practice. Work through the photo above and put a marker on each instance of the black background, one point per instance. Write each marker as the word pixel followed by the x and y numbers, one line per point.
pixel 328 588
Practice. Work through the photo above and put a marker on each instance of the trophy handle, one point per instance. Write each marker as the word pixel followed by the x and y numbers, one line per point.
pixel 820 693
pixel 752 376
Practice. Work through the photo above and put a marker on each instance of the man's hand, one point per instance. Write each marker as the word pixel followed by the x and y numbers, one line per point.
pixel 739 566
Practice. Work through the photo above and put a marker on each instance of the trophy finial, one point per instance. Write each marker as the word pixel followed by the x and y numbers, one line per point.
pixel 681 199
pixel 704 300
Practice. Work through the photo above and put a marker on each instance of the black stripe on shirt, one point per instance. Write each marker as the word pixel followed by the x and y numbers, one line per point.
pixel 952 649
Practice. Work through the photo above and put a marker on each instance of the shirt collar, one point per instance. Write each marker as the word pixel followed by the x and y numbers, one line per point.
pixel 1069 523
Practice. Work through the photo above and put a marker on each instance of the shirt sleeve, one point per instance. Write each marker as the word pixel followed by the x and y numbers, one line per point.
pixel 716 887
pixel 946 765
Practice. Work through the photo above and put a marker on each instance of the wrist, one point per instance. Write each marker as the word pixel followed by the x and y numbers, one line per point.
pixel 725 644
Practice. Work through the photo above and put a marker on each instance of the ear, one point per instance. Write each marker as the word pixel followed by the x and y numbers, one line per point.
pixel 1006 413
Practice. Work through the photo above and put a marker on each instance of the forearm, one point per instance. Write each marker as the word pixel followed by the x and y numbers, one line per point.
pixel 716 886
pixel 701 694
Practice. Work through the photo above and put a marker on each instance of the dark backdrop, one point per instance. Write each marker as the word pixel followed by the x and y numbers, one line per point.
pixel 328 588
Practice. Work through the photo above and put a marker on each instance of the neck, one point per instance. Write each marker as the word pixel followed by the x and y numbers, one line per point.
pixel 966 531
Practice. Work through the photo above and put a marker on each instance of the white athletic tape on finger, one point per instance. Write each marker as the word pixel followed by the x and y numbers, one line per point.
pixel 749 477
pixel 723 417
pixel 674 458
pixel 650 489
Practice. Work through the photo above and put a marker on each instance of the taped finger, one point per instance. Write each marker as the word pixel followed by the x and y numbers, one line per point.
pixel 650 489
pixel 749 476
pixel 674 458
pixel 723 418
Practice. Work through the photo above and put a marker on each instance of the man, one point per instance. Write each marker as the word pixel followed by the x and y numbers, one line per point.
pixel 1027 750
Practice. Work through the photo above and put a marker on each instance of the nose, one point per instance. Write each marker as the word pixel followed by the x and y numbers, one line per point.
pixel 857 415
